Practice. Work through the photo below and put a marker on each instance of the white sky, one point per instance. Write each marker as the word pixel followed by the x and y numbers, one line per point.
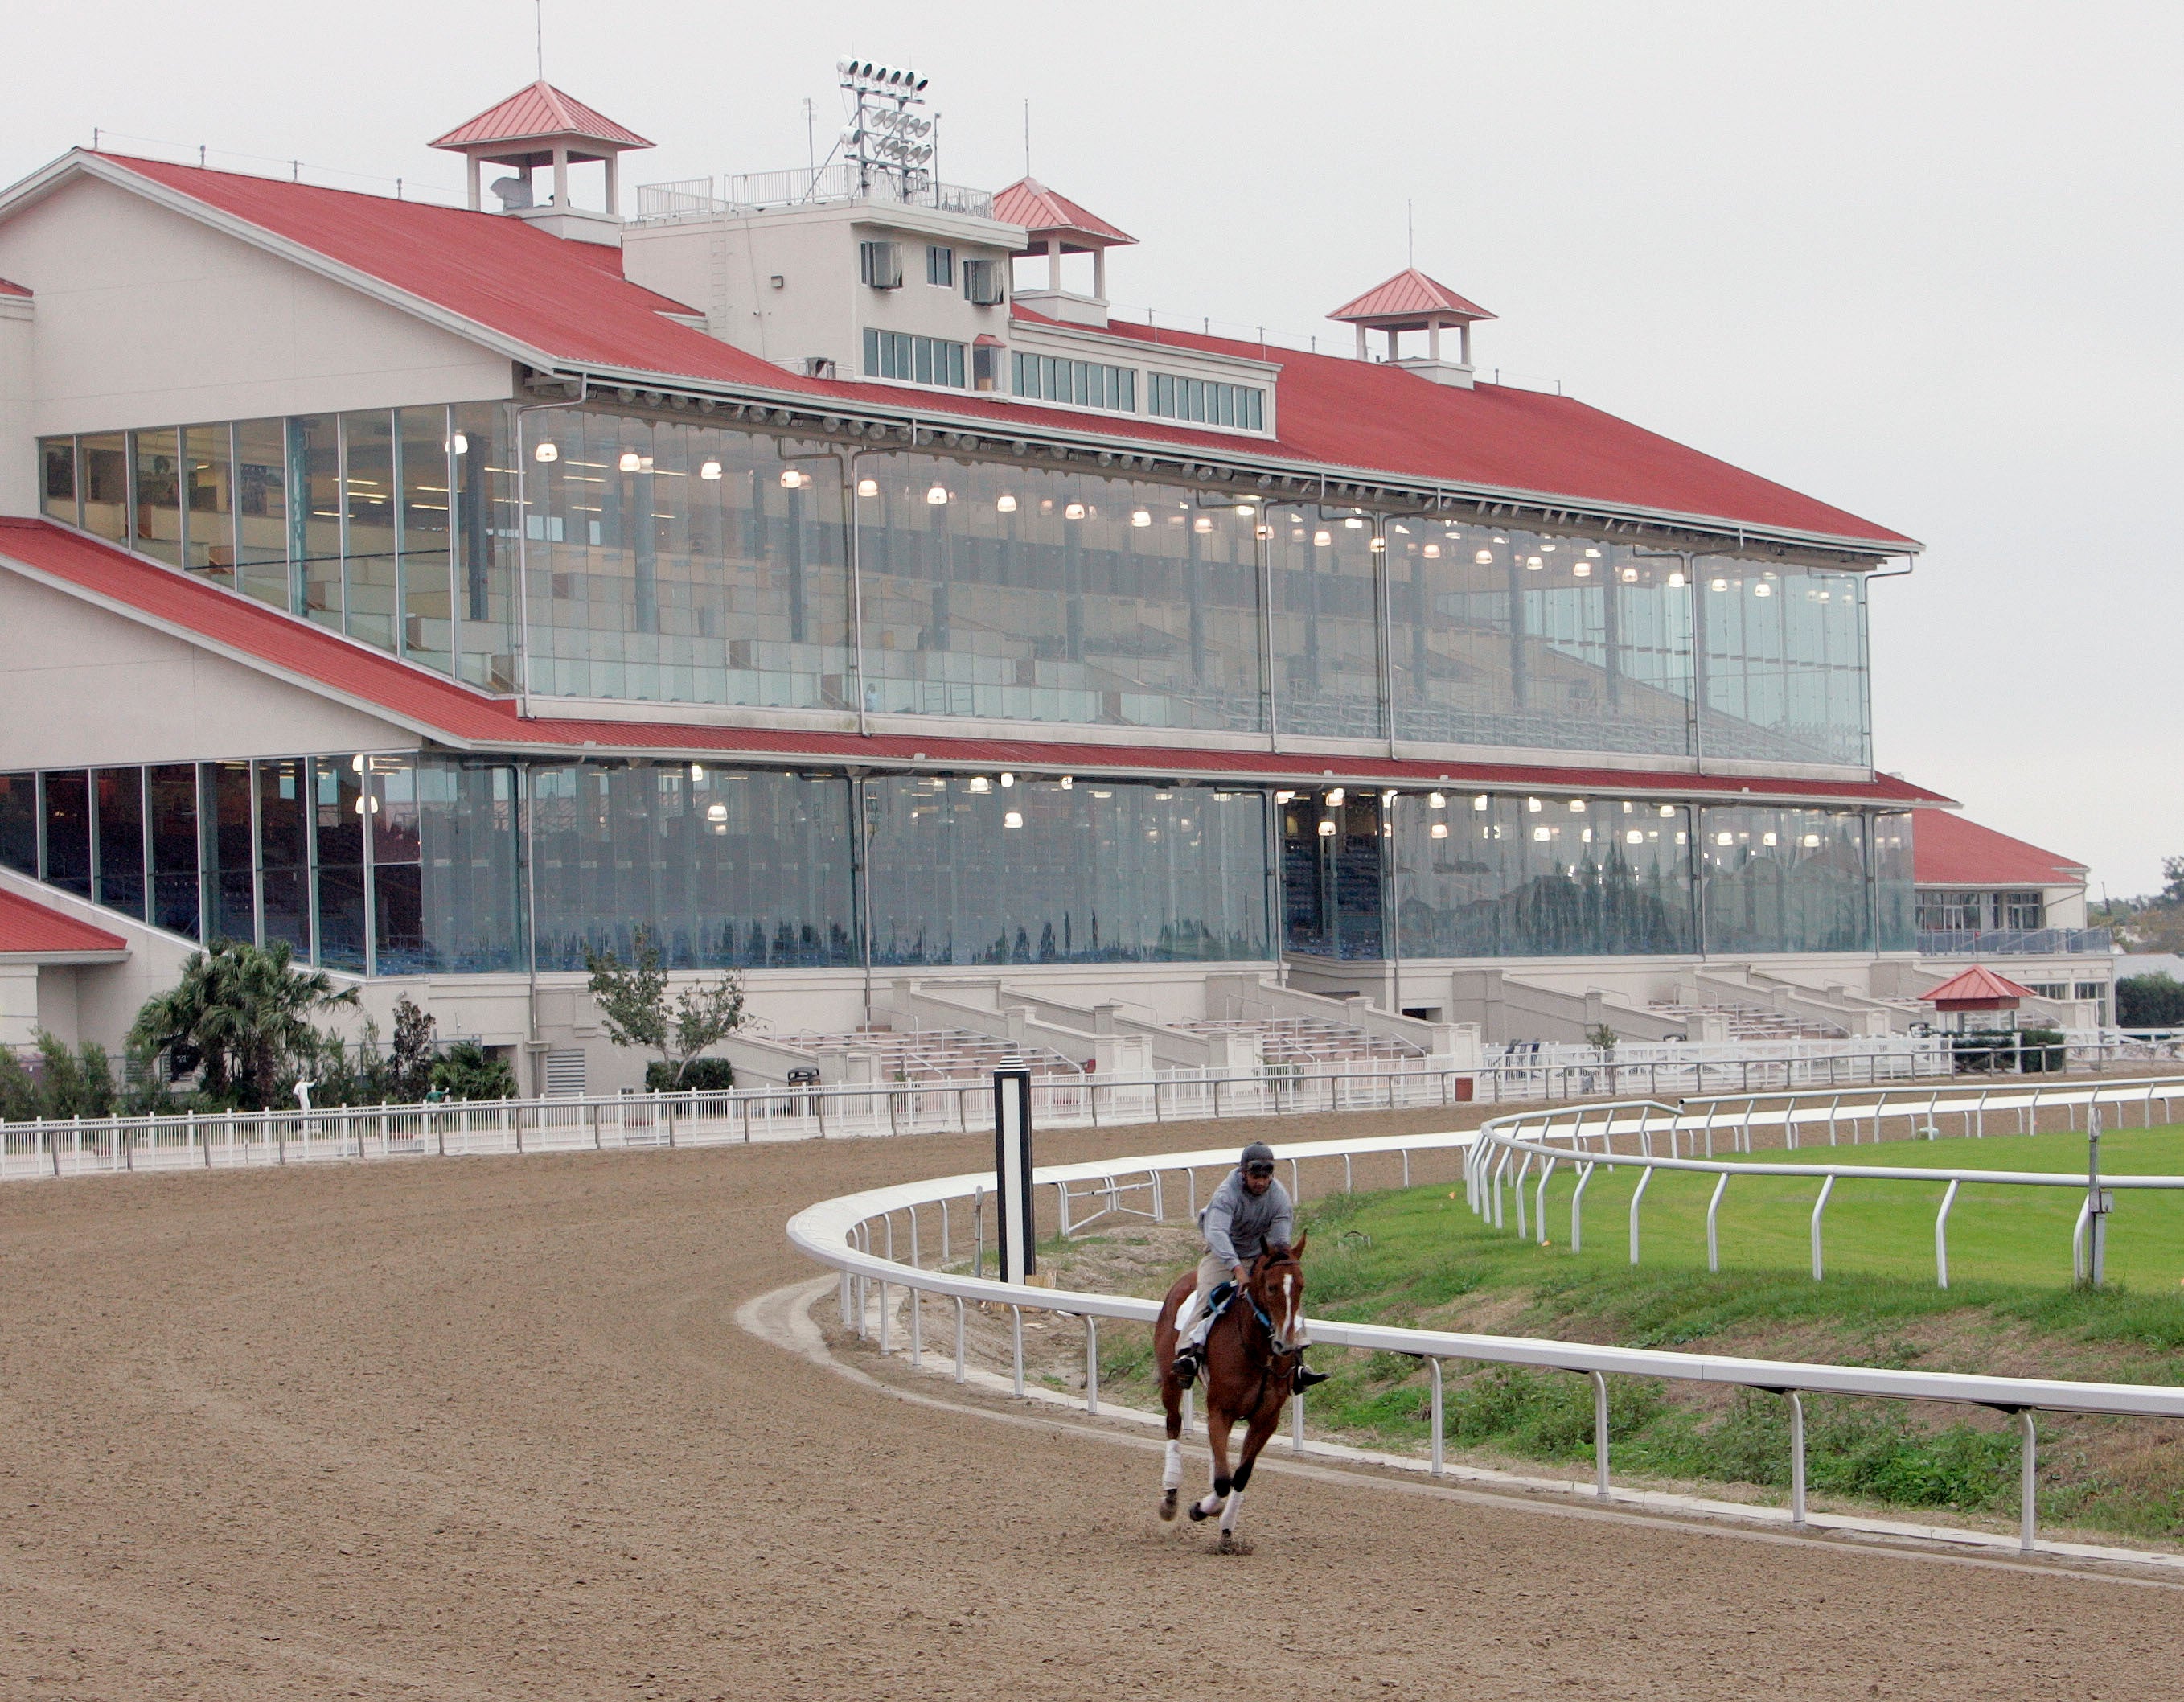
pixel 1917 260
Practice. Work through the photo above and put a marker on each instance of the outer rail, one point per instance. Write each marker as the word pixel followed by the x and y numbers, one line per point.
pixel 839 1234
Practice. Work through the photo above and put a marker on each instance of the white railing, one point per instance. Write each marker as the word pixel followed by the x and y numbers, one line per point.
pixel 1586 1141
pixel 753 192
pixel 840 1234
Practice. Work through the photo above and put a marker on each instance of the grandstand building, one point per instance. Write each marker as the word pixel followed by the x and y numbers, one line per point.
pixel 814 570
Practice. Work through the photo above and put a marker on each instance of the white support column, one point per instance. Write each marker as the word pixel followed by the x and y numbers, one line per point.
pixel 1100 274
pixel 1433 339
pixel 1362 354
pixel 561 176
pixel 1053 262
pixel 475 180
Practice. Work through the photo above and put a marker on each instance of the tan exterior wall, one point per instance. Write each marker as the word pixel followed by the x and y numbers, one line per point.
pixel 146 317
pixel 18 464
pixel 96 687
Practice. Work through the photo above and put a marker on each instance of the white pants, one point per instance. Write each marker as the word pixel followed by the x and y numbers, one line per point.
pixel 1191 1322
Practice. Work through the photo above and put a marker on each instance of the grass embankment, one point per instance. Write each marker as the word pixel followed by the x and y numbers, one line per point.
pixel 1418 1256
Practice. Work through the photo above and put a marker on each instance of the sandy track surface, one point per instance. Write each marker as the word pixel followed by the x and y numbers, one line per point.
pixel 487 1429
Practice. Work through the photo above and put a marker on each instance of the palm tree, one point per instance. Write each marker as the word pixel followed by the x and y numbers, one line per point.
pixel 246 1011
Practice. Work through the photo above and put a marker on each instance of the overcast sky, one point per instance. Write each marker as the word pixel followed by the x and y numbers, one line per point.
pixel 1920 260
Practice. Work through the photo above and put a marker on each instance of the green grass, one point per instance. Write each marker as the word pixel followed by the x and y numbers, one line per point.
pixel 1997 1232
pixel 1418 1256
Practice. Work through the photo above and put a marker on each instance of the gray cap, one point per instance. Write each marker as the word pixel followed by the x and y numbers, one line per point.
pixel 1258 1152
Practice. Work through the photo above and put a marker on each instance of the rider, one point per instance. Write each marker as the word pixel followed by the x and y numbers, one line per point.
pixel 1249 1213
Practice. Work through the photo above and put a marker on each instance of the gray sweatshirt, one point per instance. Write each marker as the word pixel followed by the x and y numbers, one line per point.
pixel 1239 1227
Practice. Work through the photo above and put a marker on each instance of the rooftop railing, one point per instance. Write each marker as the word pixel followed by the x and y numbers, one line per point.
pixel 2024 942
pixel 755 191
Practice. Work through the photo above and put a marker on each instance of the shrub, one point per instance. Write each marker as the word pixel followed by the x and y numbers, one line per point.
pixel 466 1070
pixel 2150 1002
pixel 700 1075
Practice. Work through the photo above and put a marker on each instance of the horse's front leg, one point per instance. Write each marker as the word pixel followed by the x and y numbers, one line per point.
pixel 1255 1438
pixel 1172 1471
pixel 1217 1423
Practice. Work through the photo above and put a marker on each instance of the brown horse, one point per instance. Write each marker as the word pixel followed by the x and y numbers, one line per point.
pixel 1251 1355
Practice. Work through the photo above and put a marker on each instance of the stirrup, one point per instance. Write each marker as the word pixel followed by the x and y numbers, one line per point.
pixel 1186 1364
pixel 1304 1377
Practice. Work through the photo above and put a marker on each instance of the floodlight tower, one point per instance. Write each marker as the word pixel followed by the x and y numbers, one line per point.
pixel 887 139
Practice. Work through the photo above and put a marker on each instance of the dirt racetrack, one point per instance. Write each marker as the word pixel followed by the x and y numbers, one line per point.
pixel 486 1428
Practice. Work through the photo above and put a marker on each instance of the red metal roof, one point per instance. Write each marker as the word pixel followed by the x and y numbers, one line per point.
pixel 1948 850
pixel 1029 203
pixel 567 301
pixel 32 930
pixel 1977 989
pixel 457 715
pixel 535 113
pixel 1409 295
pixel 8 288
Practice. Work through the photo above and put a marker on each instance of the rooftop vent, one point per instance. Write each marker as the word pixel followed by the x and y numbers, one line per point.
pixel 534 128
pixel 1412 301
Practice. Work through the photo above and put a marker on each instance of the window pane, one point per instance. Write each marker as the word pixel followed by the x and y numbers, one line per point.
pixel 18 823
pixel 314 515
pixel 1893 878
pixel 1038 873
pixel 1326 651
pixel 58 458
pixel 158 517
pixel 336 790
pixel 68 831
pixel 261 506
pixel 120 796
pixel 471 901
pixel 230 886
pixel 1783 662
pixel 284 852
pixel 171 790
pixel 485 520
pixel 427 611
pixel 106 485
pixel 370 544
pixel 1331 885
pixel 1785 880
pixel 210 538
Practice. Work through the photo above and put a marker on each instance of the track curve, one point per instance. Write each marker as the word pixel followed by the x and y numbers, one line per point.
pixel 489 1429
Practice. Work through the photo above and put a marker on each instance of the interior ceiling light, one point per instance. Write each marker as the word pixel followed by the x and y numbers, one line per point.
pixel 793 480
pixel 938 495
pixel 717 813
pixel 1244 507
pixel 1533 564
pixel 1068 782
pixel 1336 797
pixel 1763 590
pixel 1013 818
pixel 1720 585
pixel 630 461
pixel 1581 570
pixel 1005 504
pixel 1354 523
pixel 1478 802
pixel 1008 779
pixel 1441 830
pixel 460 444
pixel 1322 540
pixel 547 451
pixel 1203 523
pixel 710 470
pixel 979 783
pixel 1433 552
pixel 1483 558
pixel 1630 576
pixel 1141 517
pixel 1326 829
pixel 1634 836
pixel 1439 801
pixel 1074 511
pixel 1378 545
pixel 867 487
pixel 1676 581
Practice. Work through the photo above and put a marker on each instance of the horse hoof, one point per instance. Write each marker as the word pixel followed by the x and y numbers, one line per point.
pixel 1198 1514
pixel 1232 1545
pixel 1168 1505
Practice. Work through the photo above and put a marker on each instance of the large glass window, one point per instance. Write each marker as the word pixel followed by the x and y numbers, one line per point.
pixel 1331 874
pixel 261 512
pixel 723 867
pixel 56 490
pixel 677 563
pixel 1894 895
pixel 1082 383
pixel 230 882
pixel 913 360
pixel 1202 399
pixel 284 852
pixel 18 823
pixel 1526 876
pixel 470 854
pixel 314 514
pixel 105 471
pixel 965 870
pixel 1036 595
pixel 209 494
pixel 338 811
pixel 67 812
pixel 1515 638
pixel 1785 880
pixel 171 796
pixel 1327 624
pixel 399 943
pixel 428 600
pixel 120 796
pixel 483 456
pixel 157 458
pixel 1783 662
pixel 370 546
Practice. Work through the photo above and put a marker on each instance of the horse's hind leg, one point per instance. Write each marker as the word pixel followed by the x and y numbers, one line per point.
pixel 1217 1435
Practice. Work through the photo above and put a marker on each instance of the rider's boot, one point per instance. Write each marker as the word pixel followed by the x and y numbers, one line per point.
pixel 1304 1377
pixel 1185 1364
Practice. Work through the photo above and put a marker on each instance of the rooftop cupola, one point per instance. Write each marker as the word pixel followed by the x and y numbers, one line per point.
pixel 536 127
pixel 1055 225
pixel 1412 301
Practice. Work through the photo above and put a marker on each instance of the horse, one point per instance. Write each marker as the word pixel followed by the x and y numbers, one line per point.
pixel 1249 1363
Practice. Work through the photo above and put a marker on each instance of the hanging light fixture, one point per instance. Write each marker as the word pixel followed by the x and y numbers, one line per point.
pixel 710 470
pixel 548 451
pixel 1006 504
pixel 1142 517
pixel 1074 511
pixel 868 487
pixel 630 461
pixel 937 496
pixel 1014 818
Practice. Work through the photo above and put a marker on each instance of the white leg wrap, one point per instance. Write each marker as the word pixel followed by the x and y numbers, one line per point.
pixel 1228 1516
pixel 1171 1474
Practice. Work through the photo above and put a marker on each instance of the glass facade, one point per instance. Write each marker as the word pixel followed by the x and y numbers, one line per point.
pixel 675 561
pixel 1786 880
pixel 967 870
pixel 1894 898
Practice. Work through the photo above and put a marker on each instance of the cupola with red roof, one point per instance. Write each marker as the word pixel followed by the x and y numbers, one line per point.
pixel 1055 225
pixel 539 126
pixel 1412 301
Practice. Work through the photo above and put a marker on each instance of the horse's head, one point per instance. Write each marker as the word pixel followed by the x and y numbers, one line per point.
pixel 1277 1284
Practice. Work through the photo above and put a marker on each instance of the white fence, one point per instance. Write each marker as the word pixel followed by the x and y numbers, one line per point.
pixel 841 1233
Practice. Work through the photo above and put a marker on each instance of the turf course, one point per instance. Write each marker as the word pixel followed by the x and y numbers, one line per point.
pixel 1997 1233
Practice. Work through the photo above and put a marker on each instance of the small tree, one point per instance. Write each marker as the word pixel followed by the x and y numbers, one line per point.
pixel 1601 1037
pixel 634 1005
pixel 416 1048
pixel 245 1012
